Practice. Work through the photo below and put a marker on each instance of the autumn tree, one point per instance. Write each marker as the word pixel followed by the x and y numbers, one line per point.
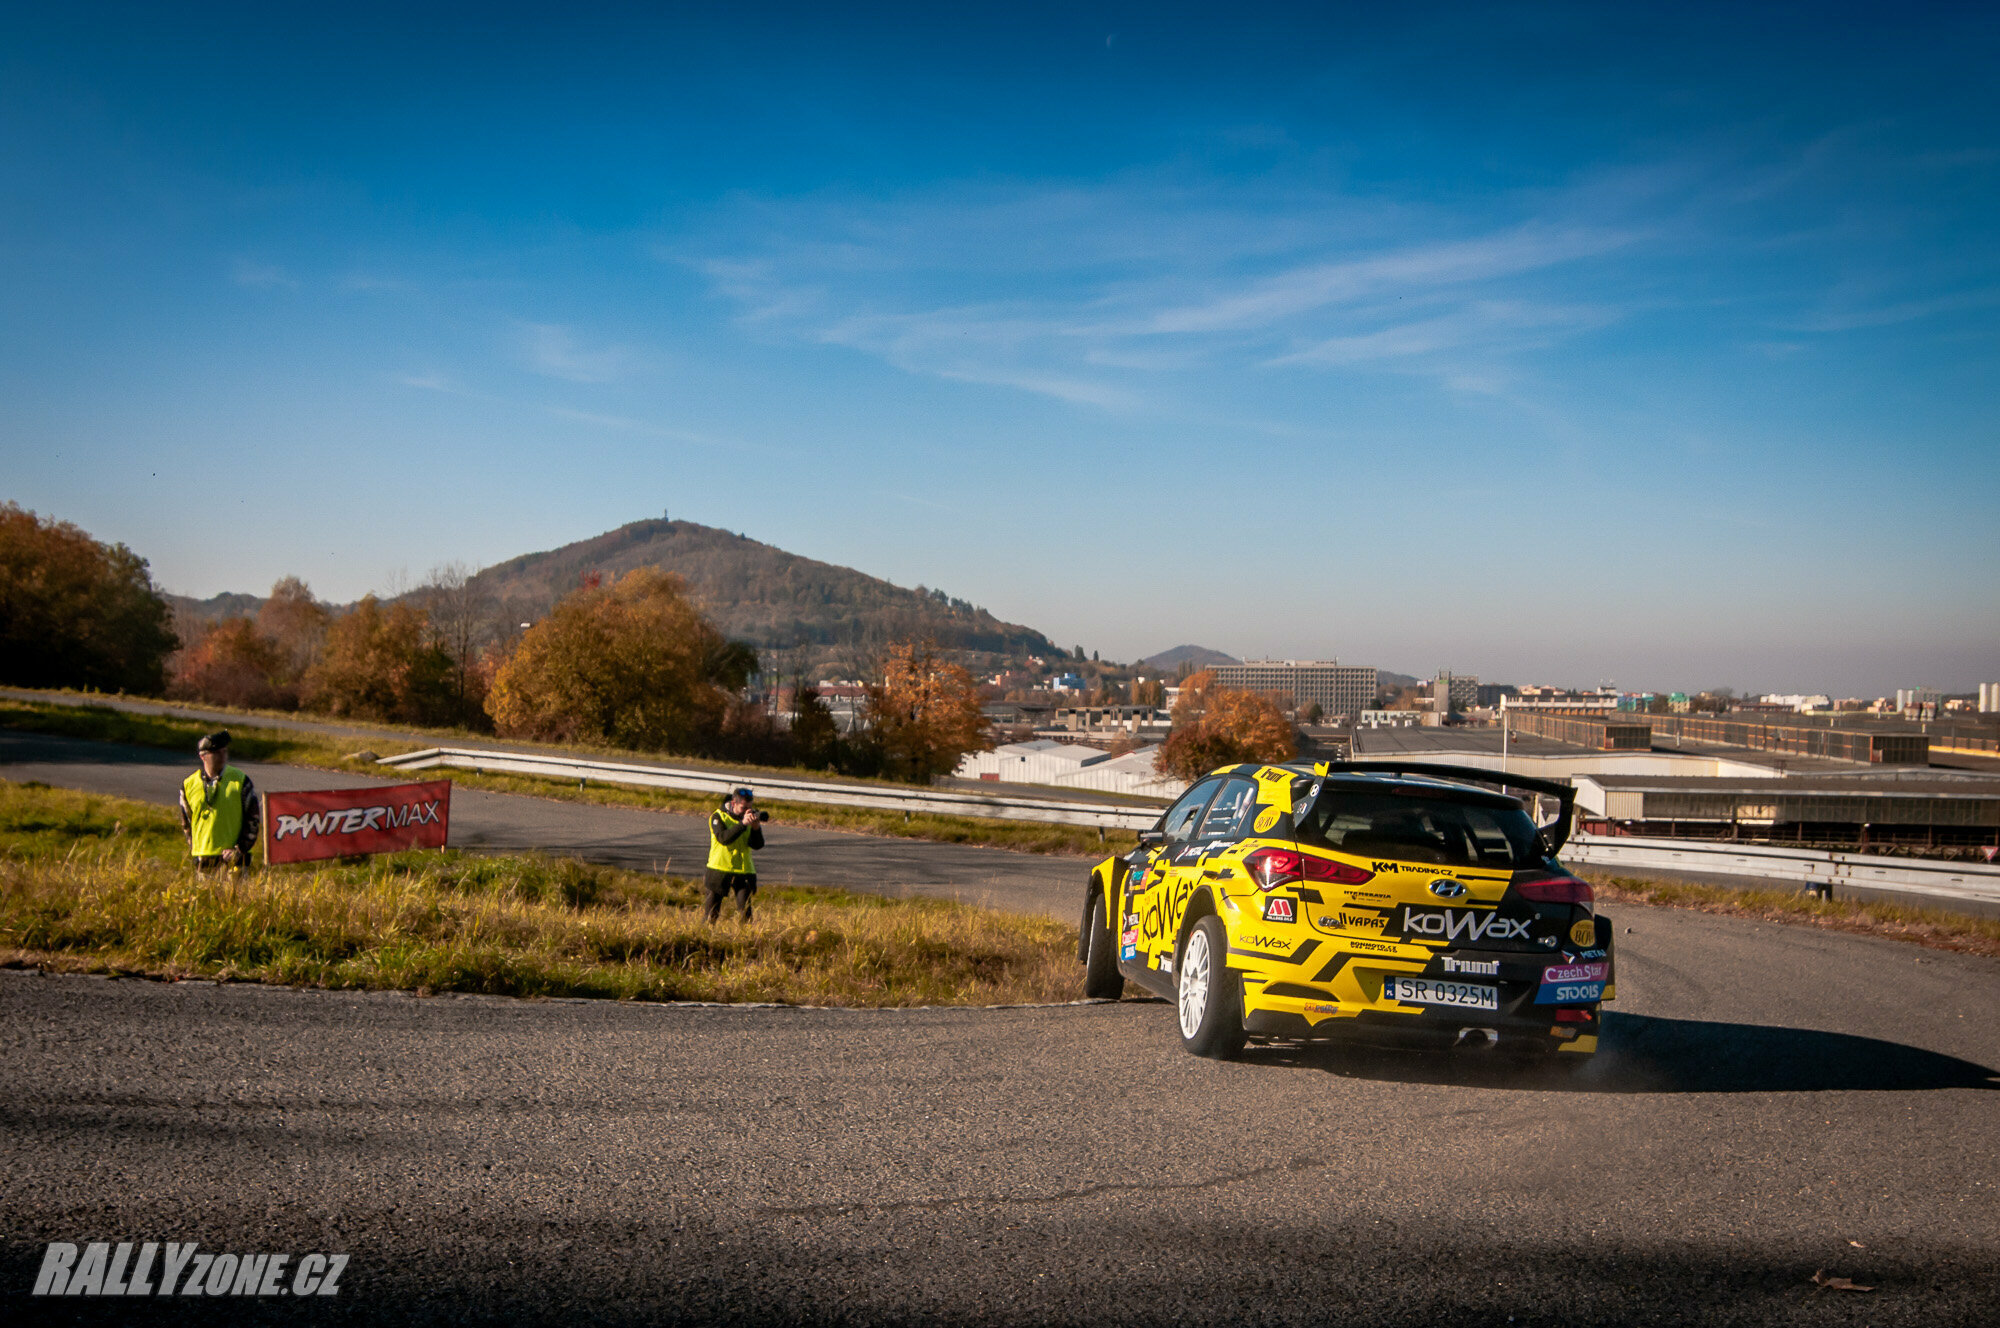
pixel 295 624
pixel 633 663
pixel 233 664
pixel 379 664
pixel 1217 726
pixel 75 612
pixel 924 715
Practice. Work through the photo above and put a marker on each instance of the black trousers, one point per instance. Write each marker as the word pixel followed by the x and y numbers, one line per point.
pixel 720 883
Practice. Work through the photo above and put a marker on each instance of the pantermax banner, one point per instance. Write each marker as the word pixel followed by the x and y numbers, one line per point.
pixel 340 823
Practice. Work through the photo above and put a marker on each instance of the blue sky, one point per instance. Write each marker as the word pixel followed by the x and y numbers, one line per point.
pixel 1547 343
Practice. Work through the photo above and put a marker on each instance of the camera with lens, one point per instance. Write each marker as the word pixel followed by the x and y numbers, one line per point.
pixel 756 815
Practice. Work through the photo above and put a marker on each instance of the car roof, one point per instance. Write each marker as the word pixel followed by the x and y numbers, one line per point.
pixel 1331 775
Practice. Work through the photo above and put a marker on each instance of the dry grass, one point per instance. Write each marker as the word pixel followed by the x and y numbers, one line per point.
pixel 1934 927
pixel 294 747
pixel 97 884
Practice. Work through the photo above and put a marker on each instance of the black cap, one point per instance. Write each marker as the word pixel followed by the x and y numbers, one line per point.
pixel 217 741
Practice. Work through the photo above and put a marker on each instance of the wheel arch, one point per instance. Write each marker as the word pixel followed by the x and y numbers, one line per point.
pixel 1101 887
pixel 1201 904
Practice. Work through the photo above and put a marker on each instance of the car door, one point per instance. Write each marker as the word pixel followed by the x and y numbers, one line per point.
pixel 1198 860
pixel 1146 934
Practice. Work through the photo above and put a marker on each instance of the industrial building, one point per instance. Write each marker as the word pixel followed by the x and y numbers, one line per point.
pixel 1596 732
pixel 1454 691
pixel 1860 810
pixel 1792 735
pixel 1107 724
pixel 1071 765
pixel 1800 735
pixel 1338 689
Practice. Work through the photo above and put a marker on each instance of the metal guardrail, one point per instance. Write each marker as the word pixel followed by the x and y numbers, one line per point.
pixel 1946 880
pixel 1047 811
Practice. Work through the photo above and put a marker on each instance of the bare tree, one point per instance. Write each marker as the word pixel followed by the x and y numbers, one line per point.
pixel 463 622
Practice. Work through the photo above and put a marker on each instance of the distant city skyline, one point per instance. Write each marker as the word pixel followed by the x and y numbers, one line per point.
pixel 1561 344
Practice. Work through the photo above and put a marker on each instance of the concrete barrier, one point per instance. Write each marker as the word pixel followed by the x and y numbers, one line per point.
pixel 1047 811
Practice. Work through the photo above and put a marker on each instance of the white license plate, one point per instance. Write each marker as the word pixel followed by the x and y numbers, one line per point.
pixel 1425 991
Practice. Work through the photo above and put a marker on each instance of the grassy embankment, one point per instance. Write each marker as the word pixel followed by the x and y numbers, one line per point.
pixel 1934 927
pixel 252 742
pixel 99 884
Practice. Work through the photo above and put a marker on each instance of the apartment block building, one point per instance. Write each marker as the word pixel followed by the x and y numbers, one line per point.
pixel 1339 689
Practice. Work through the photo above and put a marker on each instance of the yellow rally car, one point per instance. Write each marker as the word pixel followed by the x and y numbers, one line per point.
pixel 1383 902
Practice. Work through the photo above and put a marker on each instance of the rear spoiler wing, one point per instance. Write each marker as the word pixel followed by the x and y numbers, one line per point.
pixel 1556 832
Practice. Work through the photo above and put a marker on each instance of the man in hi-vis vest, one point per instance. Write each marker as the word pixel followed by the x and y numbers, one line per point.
pixel 734 829
pixel 220 809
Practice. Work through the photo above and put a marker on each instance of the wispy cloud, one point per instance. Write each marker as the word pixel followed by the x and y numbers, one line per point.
pixel 268 276
pixel 1848 317
pixel 1491 326
pixel 1423 268
pixel 626 424
pixel 1102 297
pixel 555 351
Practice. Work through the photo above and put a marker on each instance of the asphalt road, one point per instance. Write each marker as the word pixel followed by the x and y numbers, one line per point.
pixel 1771 1102
pixel 623 836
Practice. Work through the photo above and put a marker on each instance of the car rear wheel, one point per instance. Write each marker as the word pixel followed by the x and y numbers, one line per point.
pixel 1101 979
pixel 1210 997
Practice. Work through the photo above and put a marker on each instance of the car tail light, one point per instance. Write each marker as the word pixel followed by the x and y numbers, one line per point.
pixel 1572 1016
pixel 1558 890
pixel 1273 867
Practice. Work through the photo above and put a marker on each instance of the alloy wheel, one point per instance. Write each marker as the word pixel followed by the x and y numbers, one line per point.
pixel 1195 977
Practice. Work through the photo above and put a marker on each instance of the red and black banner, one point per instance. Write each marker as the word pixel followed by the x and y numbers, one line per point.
pixel 341 823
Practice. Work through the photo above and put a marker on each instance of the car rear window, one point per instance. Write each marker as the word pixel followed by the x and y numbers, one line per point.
pixel 1419 829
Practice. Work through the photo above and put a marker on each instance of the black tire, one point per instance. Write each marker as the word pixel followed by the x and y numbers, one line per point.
pixel 1209 1000
pixel 1101 979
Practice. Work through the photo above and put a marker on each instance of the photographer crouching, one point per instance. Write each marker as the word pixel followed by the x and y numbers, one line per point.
pixel 734 829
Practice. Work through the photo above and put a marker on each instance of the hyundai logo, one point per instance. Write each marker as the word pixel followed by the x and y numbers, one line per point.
pixel 1446 888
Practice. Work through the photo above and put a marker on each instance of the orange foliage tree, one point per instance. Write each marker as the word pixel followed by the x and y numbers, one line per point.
pixel 231 664
pixel 295 624
pixel 633 663
pixel 75 612
pixel 924 715
pixel 258 662
pixel 1218 726
pixel 379 664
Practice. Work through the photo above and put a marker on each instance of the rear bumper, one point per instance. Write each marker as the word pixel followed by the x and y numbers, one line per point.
pixel 1544 999
pixel 1433 1031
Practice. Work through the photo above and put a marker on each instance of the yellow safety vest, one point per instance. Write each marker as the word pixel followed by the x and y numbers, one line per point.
pixel 214 820
pixel 729 857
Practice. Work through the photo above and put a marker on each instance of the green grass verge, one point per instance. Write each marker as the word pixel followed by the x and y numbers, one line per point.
pixel 297 747
pixel 98 884
pixel 1934 927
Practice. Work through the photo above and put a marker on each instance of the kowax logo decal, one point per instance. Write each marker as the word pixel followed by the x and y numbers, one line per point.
pixel 1451 924
pixel 1446 888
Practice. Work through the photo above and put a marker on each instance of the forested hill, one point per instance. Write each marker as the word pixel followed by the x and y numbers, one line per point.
pixel 758 593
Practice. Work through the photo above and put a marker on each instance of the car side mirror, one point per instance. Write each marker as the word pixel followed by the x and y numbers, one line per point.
pixel 1152 838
